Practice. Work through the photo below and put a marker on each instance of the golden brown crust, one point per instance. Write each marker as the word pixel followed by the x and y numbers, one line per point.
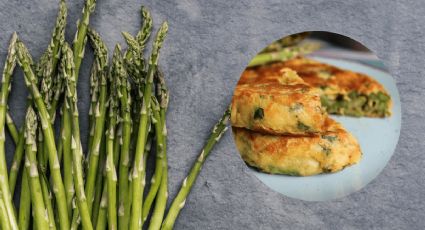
pixel 277 104
pixel 330 151
pixel 270 74
pixel 322 75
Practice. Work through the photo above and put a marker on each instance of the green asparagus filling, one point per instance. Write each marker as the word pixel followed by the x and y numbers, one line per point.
pixel 357 105
pixel 303 127
pixel 259 114
pixel 288 172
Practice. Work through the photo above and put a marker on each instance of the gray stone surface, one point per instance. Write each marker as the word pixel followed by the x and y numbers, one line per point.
pixel 208 46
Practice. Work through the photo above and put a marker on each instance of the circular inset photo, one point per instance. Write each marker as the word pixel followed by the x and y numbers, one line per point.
pixel 316 116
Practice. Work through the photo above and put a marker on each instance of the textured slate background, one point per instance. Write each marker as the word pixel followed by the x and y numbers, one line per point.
pixel 208 46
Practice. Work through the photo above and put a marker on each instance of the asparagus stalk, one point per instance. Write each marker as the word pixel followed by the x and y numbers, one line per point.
pixel 16 161
pixel 25 61
pixel 138 168
pixel 125 102
pixel 117 73
pixel 80 41
pixel 99 183
pixel 4 223
pixel 162 95
pixel 135 66
pixel 65 136
pixel 46 68
pixel 4 94
pixel 101 219
pixel 58 38
pixel 39 210
pixel 101 55
pixel 134 55
pixel 47 198
pixel 161 200
pixel 94 94
pixel 12 128
pixel 79 44
pixel 284 54
pixel 180 200
pixel 24 204
pixel 80 36
pixel 77 150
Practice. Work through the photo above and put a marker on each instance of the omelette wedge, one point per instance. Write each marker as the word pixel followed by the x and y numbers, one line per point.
pixel 276 101
pixel 330 151
pixel 342 91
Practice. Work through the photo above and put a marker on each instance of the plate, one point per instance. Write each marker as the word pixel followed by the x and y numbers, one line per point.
pixel 378 138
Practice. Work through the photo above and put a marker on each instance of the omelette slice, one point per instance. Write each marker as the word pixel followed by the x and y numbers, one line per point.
pixel 342 91
pixel 279 103
pixel 330 151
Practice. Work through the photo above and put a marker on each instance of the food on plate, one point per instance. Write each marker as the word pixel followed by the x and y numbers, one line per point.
pixel 342 91
pixel 278 103
pixel 330 151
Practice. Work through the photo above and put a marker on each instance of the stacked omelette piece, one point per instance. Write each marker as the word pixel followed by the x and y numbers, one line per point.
pixel 280 120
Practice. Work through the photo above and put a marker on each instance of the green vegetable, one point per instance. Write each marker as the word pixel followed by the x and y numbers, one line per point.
pixel 99 109
pixel 24 204
pixel 157 182
pixel 25 61
pixel 180 200
pixel 4 222
pixel 259 114
pixel 31 172
pixel 12 128
pixel 283 54
pixel 67 65
pixel 357 105
pixel 138 176
pixel 4 94
pixel 303 127
pixel 161 199
pixel 329 138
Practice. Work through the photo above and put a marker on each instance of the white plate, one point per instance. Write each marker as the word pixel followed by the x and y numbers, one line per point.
pixel 377 137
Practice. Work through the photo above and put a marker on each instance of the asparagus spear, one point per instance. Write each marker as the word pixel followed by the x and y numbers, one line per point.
pixel 138 168
pixel 101 55
pixel 58 38
pixel 80 36
pixel 99 183
pixel 39 210
pixel 77 150
pixel 24 214
pixel 4 222
pixel 179 201
pixel 134 55
pixel 108 203
pixel 46 69
pixel 162 95
pixel 283 55
pixel 25 61
pixel 4 94
pixel 47 198
pixel 101 219
pixel 125 102
pixel 161 199
pixel 94 95
pixel 12 128
pixel 79 44
pixel 65 136
pixel 80 41
pixel 117 73
pixel 16 162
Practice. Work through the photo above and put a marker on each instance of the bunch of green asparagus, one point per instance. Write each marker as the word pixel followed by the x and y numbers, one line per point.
pixel 61 186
